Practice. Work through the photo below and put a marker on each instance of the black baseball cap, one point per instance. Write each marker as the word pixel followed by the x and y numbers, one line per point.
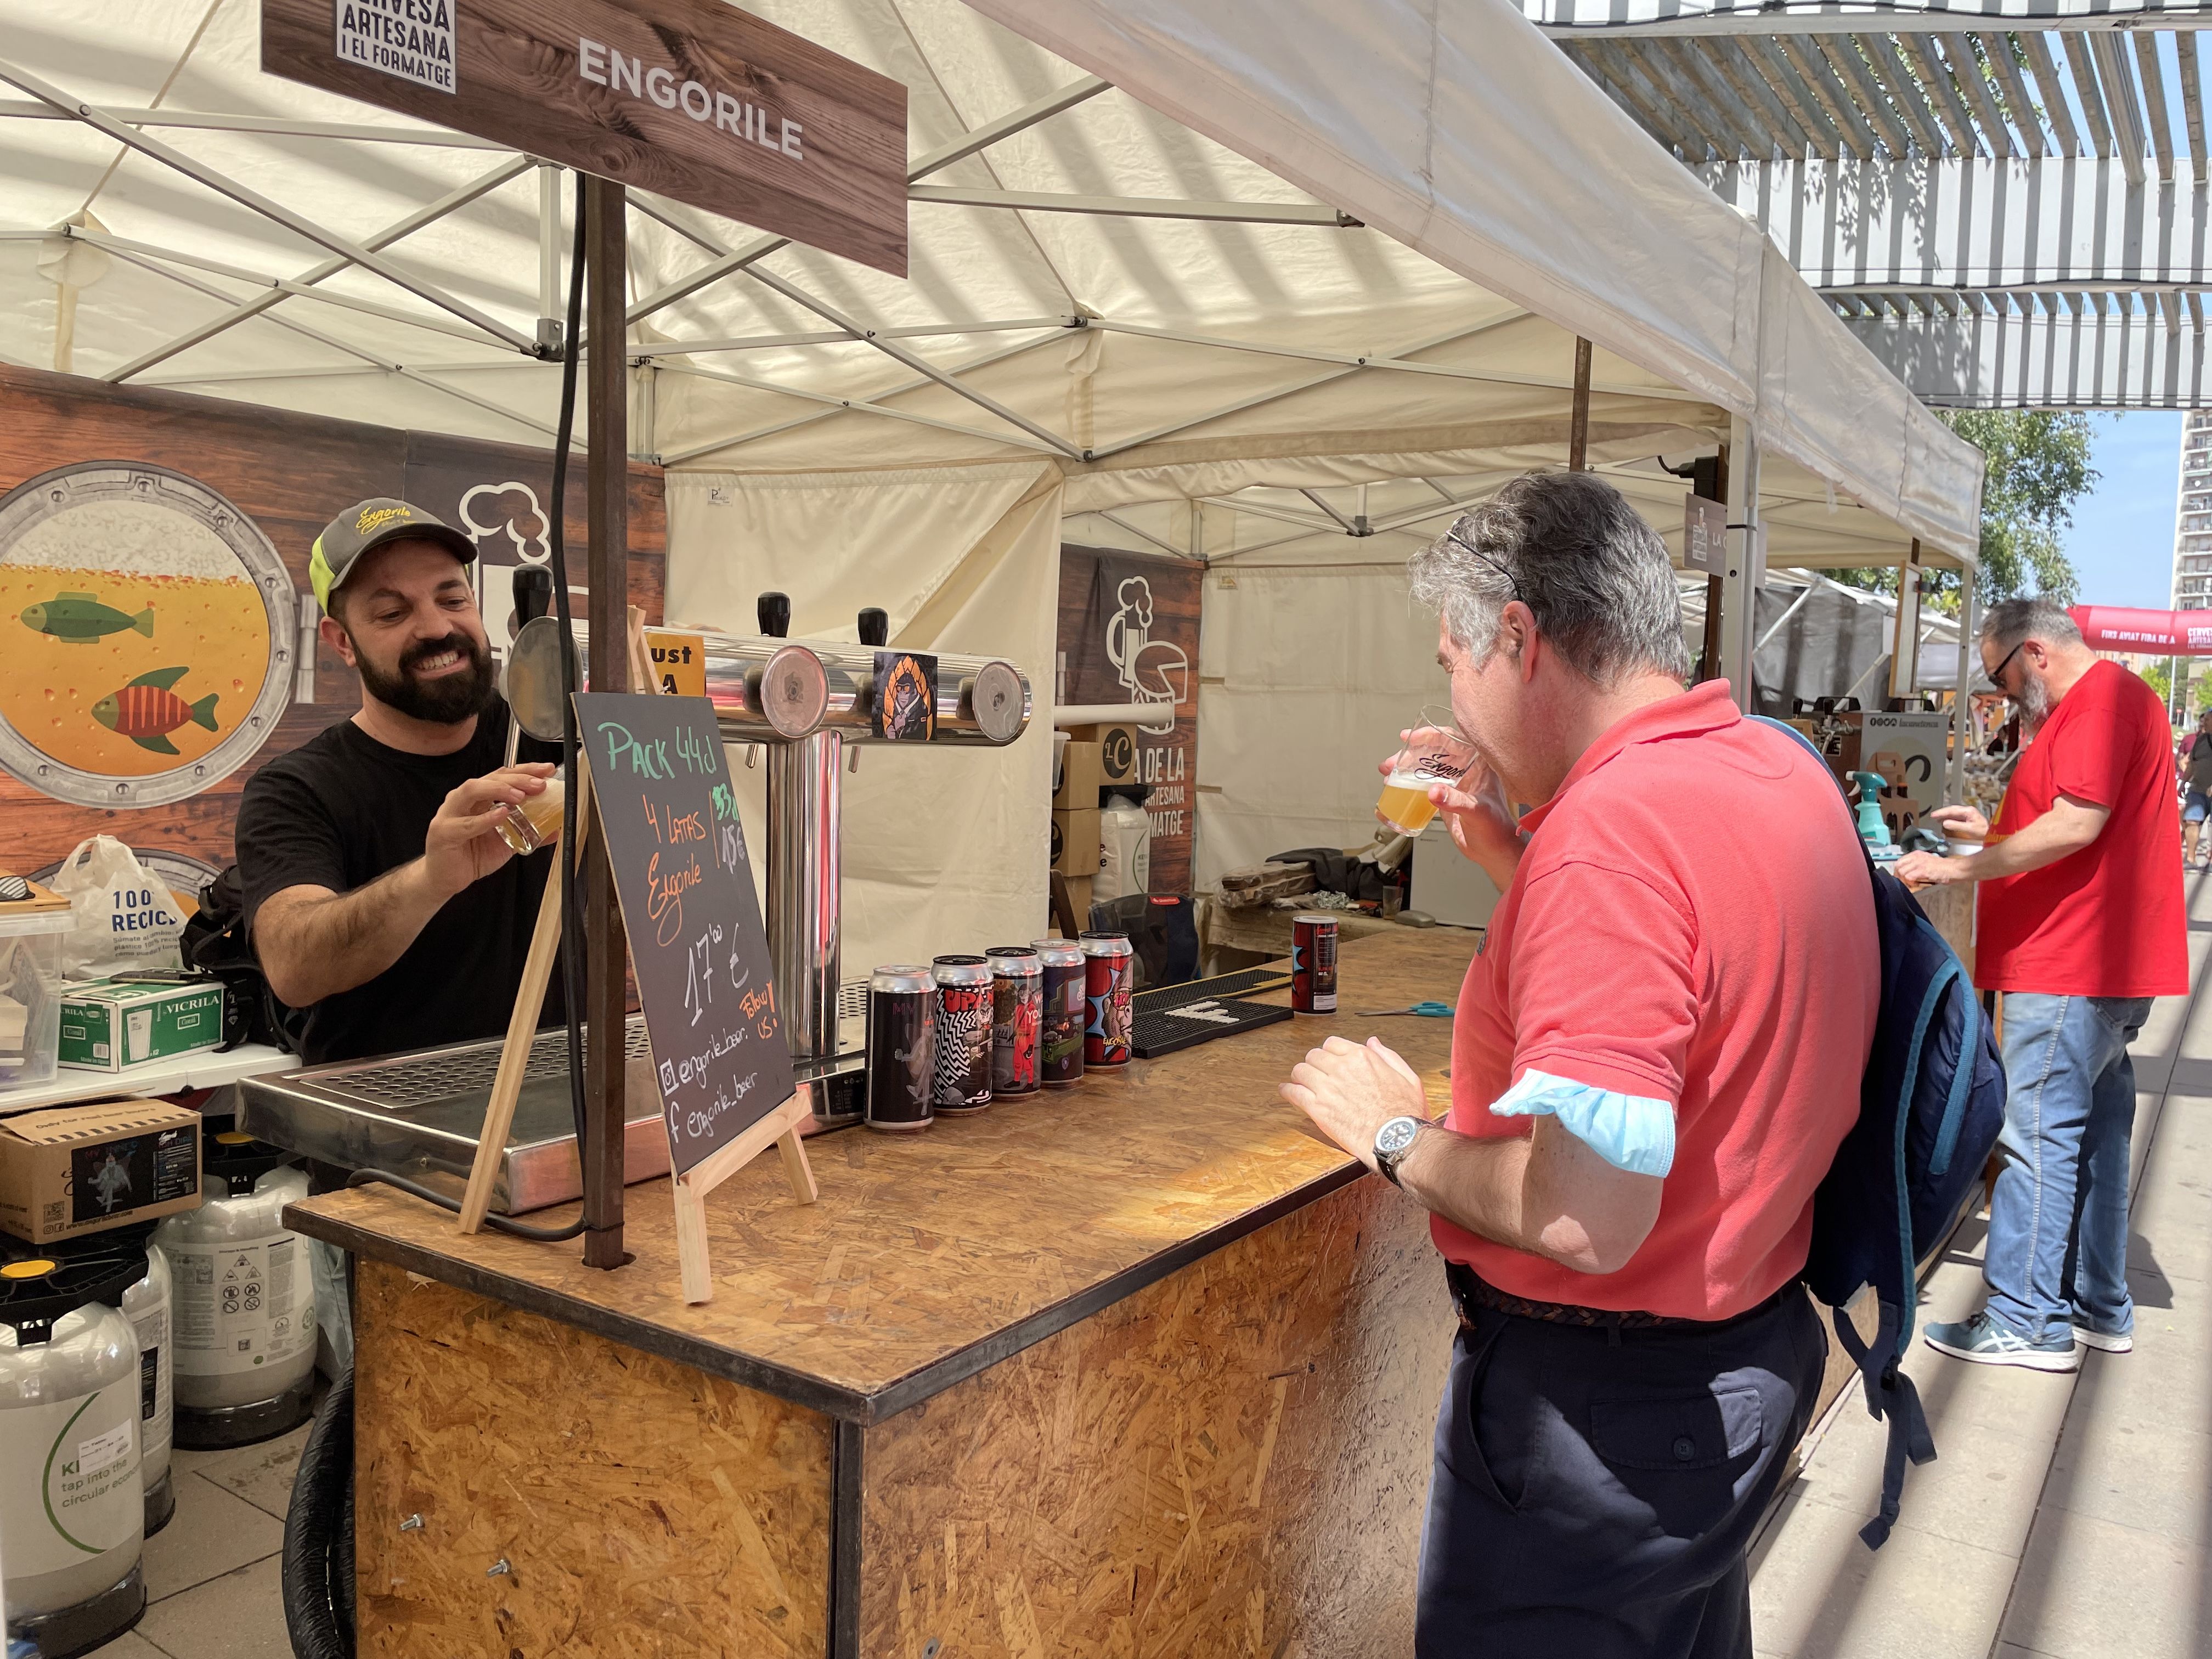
pixel 367 525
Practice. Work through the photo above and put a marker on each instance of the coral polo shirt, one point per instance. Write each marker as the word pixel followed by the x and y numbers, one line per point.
pixel 1690 923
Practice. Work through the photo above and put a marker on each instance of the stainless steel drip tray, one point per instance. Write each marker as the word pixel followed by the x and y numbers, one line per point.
pixel 421 1115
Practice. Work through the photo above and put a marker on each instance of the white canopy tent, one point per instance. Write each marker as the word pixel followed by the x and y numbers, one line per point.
pixel 1280 288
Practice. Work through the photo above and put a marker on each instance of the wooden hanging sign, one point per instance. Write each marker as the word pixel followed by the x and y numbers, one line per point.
pixel 669 814
pixel 693 100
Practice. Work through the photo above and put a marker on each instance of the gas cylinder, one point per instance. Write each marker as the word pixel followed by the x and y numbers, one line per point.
pixel 72 1506
pixel 242 1300
pixel 146 1305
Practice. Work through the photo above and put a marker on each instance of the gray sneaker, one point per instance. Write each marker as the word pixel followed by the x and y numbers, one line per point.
pixel 1987 1341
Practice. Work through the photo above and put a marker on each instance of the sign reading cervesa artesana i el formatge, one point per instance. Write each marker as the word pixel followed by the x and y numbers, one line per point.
pixel 689 99
pixel 662 784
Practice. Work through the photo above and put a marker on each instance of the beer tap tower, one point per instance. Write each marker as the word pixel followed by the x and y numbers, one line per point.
pixel 806 701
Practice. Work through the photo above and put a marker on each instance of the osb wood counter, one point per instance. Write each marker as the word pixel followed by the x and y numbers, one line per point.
pixel 932 1256
pixel 1141 1369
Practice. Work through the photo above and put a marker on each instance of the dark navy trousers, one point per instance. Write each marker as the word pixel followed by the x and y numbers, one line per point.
pixel 1595 1490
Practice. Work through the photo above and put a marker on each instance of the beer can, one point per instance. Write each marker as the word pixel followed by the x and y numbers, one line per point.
pixel 1059 1047
pixel 964 1008
pixel 902 1047
pixel 1313 963
pixel 1108 1016
pixel 1017 1015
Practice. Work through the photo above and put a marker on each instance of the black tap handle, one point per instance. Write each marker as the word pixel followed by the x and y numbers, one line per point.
pixel 533 592
pixel 875 626
pixel 774 609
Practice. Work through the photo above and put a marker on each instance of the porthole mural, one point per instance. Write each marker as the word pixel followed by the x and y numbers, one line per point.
pixel 150 635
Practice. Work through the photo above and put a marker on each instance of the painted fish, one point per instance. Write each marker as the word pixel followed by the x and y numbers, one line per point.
pixel 146 711
pixel 80 619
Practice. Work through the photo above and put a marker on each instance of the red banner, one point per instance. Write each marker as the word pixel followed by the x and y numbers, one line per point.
pixel 2153 633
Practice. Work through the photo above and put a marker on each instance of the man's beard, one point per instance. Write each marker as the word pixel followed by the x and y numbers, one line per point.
pixel 2033 701
pixel 446 701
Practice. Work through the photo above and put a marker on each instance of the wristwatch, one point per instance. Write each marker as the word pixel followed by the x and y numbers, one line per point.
pixel 1392 1142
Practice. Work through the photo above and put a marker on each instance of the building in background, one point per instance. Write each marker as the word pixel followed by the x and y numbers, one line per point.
pixel 2192 515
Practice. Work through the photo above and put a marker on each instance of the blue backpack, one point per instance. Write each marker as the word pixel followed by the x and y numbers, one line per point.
pixel 1931 1103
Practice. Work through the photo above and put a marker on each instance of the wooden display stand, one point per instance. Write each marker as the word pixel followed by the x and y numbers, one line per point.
pixel 689 1188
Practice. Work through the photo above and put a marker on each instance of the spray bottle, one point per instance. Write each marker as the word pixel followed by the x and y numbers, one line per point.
pixel 1872 830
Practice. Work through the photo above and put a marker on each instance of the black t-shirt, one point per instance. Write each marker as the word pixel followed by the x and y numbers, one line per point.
pixel 340 811
pixel 2198 766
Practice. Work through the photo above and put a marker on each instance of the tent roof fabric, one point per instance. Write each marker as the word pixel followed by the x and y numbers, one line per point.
pixel 1291 247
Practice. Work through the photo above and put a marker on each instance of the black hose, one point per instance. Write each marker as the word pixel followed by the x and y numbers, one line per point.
pixel 317 1568
pixel 573 990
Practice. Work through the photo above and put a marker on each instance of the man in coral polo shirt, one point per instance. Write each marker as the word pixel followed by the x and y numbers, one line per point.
pixel 1657 1052
pixel 2080 925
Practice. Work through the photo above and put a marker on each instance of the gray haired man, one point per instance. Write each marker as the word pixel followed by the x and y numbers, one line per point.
pixel 2080 925
pixel 1654 1057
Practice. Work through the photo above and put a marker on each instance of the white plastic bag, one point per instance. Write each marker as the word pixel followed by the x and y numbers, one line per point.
pixel 120 918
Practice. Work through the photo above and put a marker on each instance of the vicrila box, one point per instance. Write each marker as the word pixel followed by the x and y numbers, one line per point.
pixel 71 1169
pixel 110 1025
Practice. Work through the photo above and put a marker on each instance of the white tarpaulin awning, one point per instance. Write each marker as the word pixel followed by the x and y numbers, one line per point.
pixel 1283 285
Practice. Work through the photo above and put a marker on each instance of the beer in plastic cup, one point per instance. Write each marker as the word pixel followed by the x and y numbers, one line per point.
pixel 1436 754
pixel 535 821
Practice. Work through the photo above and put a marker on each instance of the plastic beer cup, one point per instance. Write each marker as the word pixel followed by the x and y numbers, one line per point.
pixel 1435 753
pixel 535 821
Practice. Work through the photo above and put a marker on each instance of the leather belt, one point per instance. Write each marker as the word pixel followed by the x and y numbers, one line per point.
pixel 1468 1288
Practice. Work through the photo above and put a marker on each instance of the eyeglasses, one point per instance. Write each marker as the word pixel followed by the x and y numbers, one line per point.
pixel 1453 535
pixel 1997 674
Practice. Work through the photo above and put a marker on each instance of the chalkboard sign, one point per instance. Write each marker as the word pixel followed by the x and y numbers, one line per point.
pixel 670 817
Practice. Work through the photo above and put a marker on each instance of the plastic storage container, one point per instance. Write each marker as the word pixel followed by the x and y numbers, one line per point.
pixel 242 1306
pixel 72 1506
pixel 31 981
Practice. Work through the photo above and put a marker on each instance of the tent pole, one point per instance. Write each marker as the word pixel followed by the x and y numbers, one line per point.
pixel 1962 720
pixel 1904 645
pixel 549 257
pixel 607 476
pixel 1739 590
pixel 1578 421
pixel 1711 483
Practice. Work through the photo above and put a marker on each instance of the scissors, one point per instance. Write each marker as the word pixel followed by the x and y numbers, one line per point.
pixel 1430 1009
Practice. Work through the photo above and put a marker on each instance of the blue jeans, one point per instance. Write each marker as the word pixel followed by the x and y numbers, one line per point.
pixel 2058 1221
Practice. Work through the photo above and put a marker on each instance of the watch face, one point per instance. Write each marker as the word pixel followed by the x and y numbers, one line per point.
pixel 1395 1135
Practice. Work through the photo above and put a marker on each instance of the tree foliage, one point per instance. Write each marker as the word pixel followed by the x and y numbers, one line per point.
pixel 2038 468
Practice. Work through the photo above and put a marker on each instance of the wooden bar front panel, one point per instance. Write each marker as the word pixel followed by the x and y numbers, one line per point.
pixel 643 1507
pixel 1233 1461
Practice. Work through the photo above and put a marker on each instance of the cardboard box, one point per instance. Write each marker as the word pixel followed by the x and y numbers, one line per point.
pixel 1082 769
pixel 1117 747
pixel 111 1027
pixel 70 1170
pixel 1075 841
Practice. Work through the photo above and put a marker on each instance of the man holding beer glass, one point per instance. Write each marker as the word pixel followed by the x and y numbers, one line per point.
pixel 1657 1052
pixel 379 857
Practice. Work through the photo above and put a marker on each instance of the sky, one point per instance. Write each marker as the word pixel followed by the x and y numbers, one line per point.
pixel 2121 538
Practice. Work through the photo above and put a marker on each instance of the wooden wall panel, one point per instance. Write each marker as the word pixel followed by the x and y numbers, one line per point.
pixel 643 1507
pixel 1233 1461
pixel 289 473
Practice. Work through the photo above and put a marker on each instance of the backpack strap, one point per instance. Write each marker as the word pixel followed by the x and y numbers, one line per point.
pixel 1889 1393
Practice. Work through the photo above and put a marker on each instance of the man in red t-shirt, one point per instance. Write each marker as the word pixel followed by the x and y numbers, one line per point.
pixel 1656 1053
pixel 2081 925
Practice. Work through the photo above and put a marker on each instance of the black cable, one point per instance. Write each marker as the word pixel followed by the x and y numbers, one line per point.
pixel 452 1206
pixel 572 922
pixel 573 985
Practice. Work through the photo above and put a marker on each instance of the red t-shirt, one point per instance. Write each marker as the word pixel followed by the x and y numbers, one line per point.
pixel 2106 921
pixel 1690 922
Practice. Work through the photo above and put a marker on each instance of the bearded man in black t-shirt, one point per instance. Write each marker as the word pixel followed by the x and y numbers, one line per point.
pixel 380 896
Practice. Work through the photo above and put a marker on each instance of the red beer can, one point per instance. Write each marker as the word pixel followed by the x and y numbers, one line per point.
pixel 1108 1017
pixel 1313 963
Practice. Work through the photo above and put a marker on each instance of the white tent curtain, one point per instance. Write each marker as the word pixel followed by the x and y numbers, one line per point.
pixel 943 848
